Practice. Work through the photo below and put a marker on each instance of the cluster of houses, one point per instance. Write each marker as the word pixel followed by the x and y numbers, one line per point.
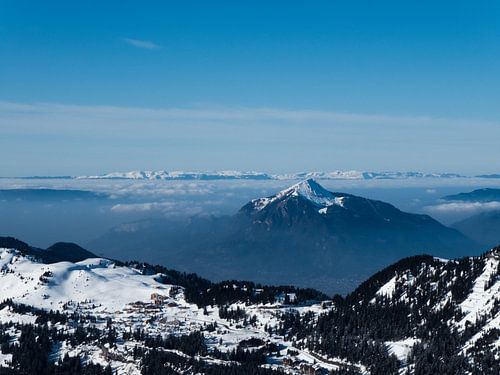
pixel 143 307
pixel 153 306
pixel 159 299
pixel 305 368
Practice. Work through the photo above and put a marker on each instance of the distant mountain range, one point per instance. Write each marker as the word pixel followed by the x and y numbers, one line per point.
pixel 479 195
pixel 236 175
pixel 48 195
pixel 494 175
pixel 304 235
pixel 483 227
pixel 239 175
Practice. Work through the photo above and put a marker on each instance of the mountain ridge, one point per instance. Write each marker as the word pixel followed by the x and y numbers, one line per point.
pixel 255 175
pixel 482 227
pixel 58 252
pixel 479 195
pixel 341 175
pixel 419 316
pixel 303 234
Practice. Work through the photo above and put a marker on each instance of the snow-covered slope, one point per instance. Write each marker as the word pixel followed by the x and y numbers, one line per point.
pixel 464 293
pixel 397 322
pixel 51 286
pixel 484 294
pixel 103 292
pixel 309 190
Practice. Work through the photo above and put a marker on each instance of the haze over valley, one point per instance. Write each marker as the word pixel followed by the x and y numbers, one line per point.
pixel 115 217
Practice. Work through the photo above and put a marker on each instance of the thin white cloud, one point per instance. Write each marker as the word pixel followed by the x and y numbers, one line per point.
pixel 232 115
pixel 144 44
pixel 167 209
pixel 243 138
pixel 143 207
pixel 469 208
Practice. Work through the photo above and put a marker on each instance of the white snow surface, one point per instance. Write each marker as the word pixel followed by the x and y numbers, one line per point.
pixel 99 287
pixel 308 189
pixel 388 289
pixel 5 359
pixel 97 280
pixel 6 315
pixel 102 288
pixel 481 301
pixel 401 348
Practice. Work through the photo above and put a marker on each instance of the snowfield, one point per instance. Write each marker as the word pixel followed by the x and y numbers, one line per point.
pixel 101 288
pixel 131 301
pixel 98 280
pixel 480 301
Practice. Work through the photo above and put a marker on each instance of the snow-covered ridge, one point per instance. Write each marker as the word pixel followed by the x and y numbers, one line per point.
pixel 50 286
pixel 479 305
pixel 309 190
pixel 127 300
pixel 180 175
pixel 134 301
pixel 481 300
pixel 252 175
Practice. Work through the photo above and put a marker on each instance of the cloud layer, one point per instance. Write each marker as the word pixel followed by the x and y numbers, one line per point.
pixel 232 116
pixel 469 208
pixel 51 138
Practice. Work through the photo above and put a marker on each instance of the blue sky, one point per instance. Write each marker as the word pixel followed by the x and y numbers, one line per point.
pixel 280 86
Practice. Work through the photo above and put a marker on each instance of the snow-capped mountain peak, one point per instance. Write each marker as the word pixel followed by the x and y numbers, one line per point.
pixel 307 189
pixel 315 193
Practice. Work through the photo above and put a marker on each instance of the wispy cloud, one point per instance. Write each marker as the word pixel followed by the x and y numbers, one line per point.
pixel 215 137
pixel 232 115
pixel 469 208
pixel 144 44
pixel 144 207
pixel 173 208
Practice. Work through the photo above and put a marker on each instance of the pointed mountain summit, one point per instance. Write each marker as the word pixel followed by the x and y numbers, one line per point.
pixel 315 234
pixel 300 203
pixel 303 235
pixel 308 190
pixel 310 203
